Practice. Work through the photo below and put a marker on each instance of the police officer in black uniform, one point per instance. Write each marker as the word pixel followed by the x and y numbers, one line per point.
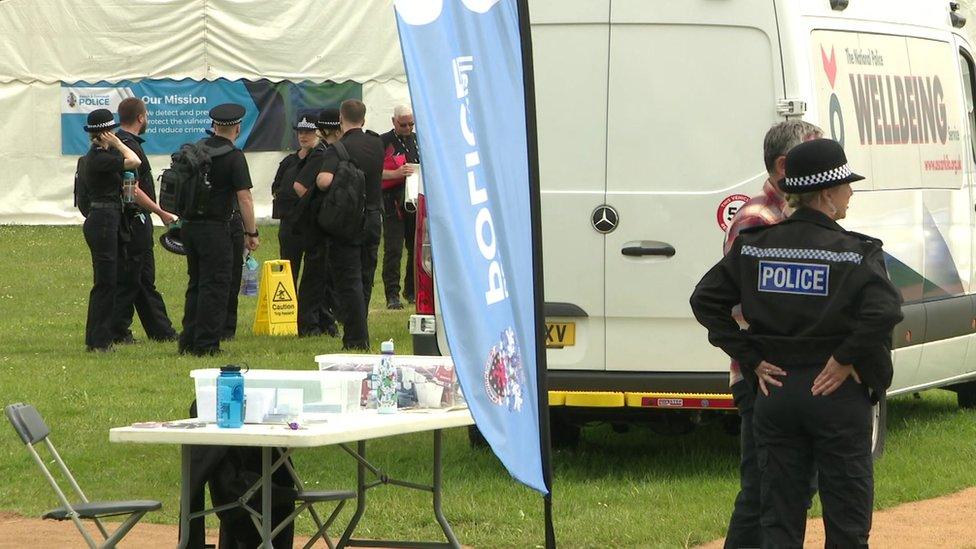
pixel 316 294
pixel 137 277
pixel 284 197
pixel 346 256
pixel 820 309
pixel 104 163
pixel 207 237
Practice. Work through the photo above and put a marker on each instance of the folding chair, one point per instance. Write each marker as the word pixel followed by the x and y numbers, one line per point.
pixel 32 430
pixel 306 499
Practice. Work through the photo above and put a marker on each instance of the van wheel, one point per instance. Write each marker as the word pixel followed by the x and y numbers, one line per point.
pixel 966 395
pixel 475 438
pixel 562 433
pixel 879 427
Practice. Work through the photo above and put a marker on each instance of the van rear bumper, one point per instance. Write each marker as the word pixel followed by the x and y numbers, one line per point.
pixel 592 380
pixel 659 382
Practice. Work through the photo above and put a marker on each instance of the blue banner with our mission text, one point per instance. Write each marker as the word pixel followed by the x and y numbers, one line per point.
pixel 179 110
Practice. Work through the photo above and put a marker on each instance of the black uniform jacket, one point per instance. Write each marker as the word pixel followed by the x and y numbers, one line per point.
pixel 366 151
pixel 283 187
pixel 809 290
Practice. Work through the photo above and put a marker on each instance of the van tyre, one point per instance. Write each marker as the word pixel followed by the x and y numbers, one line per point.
pixel 563 434
pixel 966 395
pixel 879 427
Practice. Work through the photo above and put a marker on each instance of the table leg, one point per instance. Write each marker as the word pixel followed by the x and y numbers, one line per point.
pixel 438 512
pixel 185 496
pixel 266 520
pixel 360 495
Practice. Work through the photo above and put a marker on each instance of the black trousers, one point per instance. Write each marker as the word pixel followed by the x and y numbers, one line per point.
pixel 316 295
pixel 399 227
pixel 137 291
pixel 237 266
pixel 209 258
pixel 101 230
pixel 744 525
pixel 370 249
pixel 291 246
pixel 345 265
pixel 796 431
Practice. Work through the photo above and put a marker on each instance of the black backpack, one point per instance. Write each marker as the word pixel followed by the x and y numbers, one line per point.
pixel 343 209
pixel 184 187
pixel 82 197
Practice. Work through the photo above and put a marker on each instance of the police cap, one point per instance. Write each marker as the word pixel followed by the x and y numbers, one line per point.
pixel 306 123
pixel 172 240
pixel 227 114
pixel 101 120
pixel 816 165
pixel 328 119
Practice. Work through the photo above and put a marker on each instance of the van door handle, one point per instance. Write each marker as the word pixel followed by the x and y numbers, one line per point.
pixel 648 247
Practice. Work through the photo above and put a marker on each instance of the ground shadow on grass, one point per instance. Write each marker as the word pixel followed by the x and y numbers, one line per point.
pixel 641 454
pixel 905 412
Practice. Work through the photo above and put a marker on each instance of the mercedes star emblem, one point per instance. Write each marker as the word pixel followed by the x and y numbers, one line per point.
pixel 605 219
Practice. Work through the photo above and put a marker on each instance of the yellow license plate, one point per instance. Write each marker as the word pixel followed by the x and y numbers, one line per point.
pixel 560 334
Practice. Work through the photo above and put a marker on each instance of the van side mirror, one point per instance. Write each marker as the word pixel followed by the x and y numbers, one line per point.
pixel 838 5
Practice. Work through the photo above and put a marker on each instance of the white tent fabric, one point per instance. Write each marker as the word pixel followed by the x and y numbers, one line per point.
pixel 46 42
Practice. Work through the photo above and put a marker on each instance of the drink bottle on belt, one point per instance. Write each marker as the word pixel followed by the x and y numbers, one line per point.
pixel 128 187
pixel 249 278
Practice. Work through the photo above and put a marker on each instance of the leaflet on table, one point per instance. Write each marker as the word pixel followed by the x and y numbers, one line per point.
pixel 422 381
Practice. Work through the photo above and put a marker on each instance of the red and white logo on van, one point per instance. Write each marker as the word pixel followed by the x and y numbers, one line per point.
pixel 835 113
pixel 728 208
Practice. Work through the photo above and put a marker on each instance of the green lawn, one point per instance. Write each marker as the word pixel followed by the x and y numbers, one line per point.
pixel 617 490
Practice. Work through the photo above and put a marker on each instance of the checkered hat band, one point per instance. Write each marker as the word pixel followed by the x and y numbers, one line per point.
pixel 102 125
pixel 227 122
pixel 823 177
pixel 803 253
pixel 329 124
pixel 305 125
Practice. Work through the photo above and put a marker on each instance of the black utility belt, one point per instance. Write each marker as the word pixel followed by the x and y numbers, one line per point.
pixel 206 221
pixel 106 205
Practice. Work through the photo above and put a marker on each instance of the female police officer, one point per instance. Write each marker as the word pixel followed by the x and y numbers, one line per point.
pixel 820 310
pixel 104 163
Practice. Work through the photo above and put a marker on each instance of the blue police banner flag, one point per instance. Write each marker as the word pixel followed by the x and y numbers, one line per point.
pixel 464 62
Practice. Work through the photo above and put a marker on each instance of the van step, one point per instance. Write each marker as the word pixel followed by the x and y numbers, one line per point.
pixel 608 399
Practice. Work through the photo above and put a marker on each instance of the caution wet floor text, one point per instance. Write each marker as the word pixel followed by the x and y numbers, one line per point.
pixel 277 312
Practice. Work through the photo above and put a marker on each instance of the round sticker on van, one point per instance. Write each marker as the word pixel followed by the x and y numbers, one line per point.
pixel 728 208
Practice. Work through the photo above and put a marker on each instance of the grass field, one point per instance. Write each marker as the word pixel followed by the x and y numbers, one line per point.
pixel 617 490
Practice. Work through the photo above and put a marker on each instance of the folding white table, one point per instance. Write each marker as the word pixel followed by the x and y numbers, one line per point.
pixel 340 429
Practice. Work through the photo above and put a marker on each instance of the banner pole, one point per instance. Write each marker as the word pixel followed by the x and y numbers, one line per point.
pixel 532 145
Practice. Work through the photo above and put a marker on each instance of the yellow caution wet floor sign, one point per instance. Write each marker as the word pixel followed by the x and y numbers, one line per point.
pixel 277 312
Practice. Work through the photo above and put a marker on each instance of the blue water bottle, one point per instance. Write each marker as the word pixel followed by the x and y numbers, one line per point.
pixel 386 391
pixel 128 187
pixel 230 397
pixel 249 277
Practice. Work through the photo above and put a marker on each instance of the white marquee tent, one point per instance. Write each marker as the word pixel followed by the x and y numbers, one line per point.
pixel 46 42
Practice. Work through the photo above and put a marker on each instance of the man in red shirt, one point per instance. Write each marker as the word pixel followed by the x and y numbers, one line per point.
pixel 767 208
pixel 399 223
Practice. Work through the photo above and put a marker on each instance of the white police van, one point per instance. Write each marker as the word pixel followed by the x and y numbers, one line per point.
pixel 651 118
